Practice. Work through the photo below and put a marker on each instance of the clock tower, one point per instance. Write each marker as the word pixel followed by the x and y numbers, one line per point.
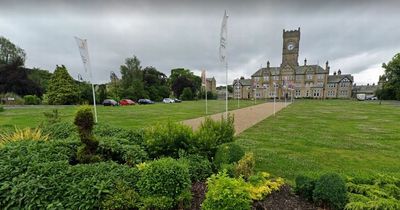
pixel 290 52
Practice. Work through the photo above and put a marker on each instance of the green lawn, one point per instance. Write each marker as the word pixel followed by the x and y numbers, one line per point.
pixel 137 116
pixel 313 137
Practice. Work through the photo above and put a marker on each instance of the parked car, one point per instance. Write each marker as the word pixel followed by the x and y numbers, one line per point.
pixel 145 101
pixel 126 102
pixel 168 100
pixel 177 100
pixel 110 102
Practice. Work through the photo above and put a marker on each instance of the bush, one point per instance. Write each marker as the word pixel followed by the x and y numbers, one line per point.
pixel 121 151
pixel 261 185
pixel 168 139
pixel 31 100
pixel 131 137
pixel 84 121
pixel 330 189
pixel 187 94
pixel 60 130
pixel 1 109
pixel 52 117
pixel 122 197
pixel 62 186
pixel 212 133
pixel 305 187
pixel 226 193
pixel 165 177
pixel 22 135
pixel 227 154
pixel 245 166
pixel 199 167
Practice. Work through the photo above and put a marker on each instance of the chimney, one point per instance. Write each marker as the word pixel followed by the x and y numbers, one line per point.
pixel 267 64
pixel 326 65
pixel 339 72
pixel 305 62
pixel 334 73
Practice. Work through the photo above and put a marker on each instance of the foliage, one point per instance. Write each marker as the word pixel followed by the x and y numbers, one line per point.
pixel 165 177
pixel 85 122
pixel 132 79
pixel 122 197
pixel 155 84
pixel 226 193
pixel 121 151
pixel 211 134
pixel 52 117
pixel 14 78
pixel 167 139
pixel 40 77
pixel 183 78
pixel 1 109
pixel 330 189
pixel 187 94
pixel 101 93
pixel 227 153
pixel 60 185
pixel 135 137
pixel 157 202
pixel 245 166
pixel 261 186
pixel 9 52
pixel 85 94
pixel 31 100
pixel 59 130
pixel 62 88
pixel 305 187
pixel 199 167
pixel 391 87
pixel 22 135
pixel 382 192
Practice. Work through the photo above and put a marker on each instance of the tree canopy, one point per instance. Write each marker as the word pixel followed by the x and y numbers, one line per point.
pixel 9 52
pixel 391 79
pixel 183 78
pixel 62 88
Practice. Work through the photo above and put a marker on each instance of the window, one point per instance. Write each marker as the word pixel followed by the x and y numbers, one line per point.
pixel 266 78
pixel 299 77
pixel 307 93
pixel 309 76
pixel 298 92
pixel 320 76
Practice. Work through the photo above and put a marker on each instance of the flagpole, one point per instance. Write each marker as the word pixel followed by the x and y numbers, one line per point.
pixel 226 95
pixel 205 87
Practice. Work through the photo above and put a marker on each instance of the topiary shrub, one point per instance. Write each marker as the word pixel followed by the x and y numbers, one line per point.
pixel 245 166
pixel 305 186
pixel 225 193
pixel 165 178
pixel 212 133
pixel 84 121
pixel 330 190
pixel 199 167
pixel 227 154
pixel 167 139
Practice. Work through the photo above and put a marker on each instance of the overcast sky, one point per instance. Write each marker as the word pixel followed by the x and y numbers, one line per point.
pixel 355 36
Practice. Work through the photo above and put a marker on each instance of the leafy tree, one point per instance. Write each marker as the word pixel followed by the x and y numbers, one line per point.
pixel 14 78
pixel 84 92
pixel 102 93
pixel 155 83
pixel 62 88
pixel 181 78
pixel 132 79
pixel 187 94
pixel 40 77
pixel 391 78
pixel 9 52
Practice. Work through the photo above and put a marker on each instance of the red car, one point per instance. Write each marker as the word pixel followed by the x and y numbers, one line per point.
pixel 126 102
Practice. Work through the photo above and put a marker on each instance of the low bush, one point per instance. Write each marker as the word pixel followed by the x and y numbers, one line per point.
pixel 122 197
pixel 168 139
pixel 122 151
pixel 23 134
pixel 330 189
pixel 305 186
pixel 227 153
pixel 133 137
pixel 1 109
pixel 212 133
pixel 167 178
pixel 226 193
pixel 51 117
pixel 60 130
pixel 31 100
pixel 382 192
pixel 62 186
pixel 245 166
pixel 261 186
pixel 199 167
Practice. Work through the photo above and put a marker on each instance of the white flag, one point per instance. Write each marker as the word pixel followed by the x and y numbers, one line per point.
pixel 223 40
pixel 83 50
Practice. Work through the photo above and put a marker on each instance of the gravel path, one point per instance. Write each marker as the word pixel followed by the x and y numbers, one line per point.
pixel 244 118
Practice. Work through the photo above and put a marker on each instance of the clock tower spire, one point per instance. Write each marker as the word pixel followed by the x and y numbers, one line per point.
pixel 290 51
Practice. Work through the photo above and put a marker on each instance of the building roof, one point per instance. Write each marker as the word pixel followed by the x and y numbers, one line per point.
pixel 338 78
pixel 210 79
pixel 243 82
pixel 299 70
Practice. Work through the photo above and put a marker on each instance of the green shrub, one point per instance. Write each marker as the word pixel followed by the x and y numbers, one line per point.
pixel 212 133
pixel 157 202
pixel 31 100
pixel 245 166
pixel 52 117
pixel 1 109
pixel 62 186
pixel 330 189
pixel 122 197
pixel 164 177
pixel 168 139
pixel 227 153
pixel 305 187
pixel 226 193
pixel 199 167
pixel 122 151
pixel 84 120
pixel 133 137
pixel 60 130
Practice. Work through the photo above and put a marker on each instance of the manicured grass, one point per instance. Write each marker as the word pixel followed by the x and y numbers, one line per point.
pixel 137 116
pixel 313 137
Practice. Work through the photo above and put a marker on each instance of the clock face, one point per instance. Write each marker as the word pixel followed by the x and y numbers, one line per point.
pixel 290 46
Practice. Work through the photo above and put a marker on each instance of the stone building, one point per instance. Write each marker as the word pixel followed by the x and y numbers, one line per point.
pixel 368 90
pixel 299 81
pixel 211 85
pixel 242 88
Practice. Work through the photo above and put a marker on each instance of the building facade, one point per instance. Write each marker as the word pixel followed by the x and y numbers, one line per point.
pixel 300 81
pixel 242 88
